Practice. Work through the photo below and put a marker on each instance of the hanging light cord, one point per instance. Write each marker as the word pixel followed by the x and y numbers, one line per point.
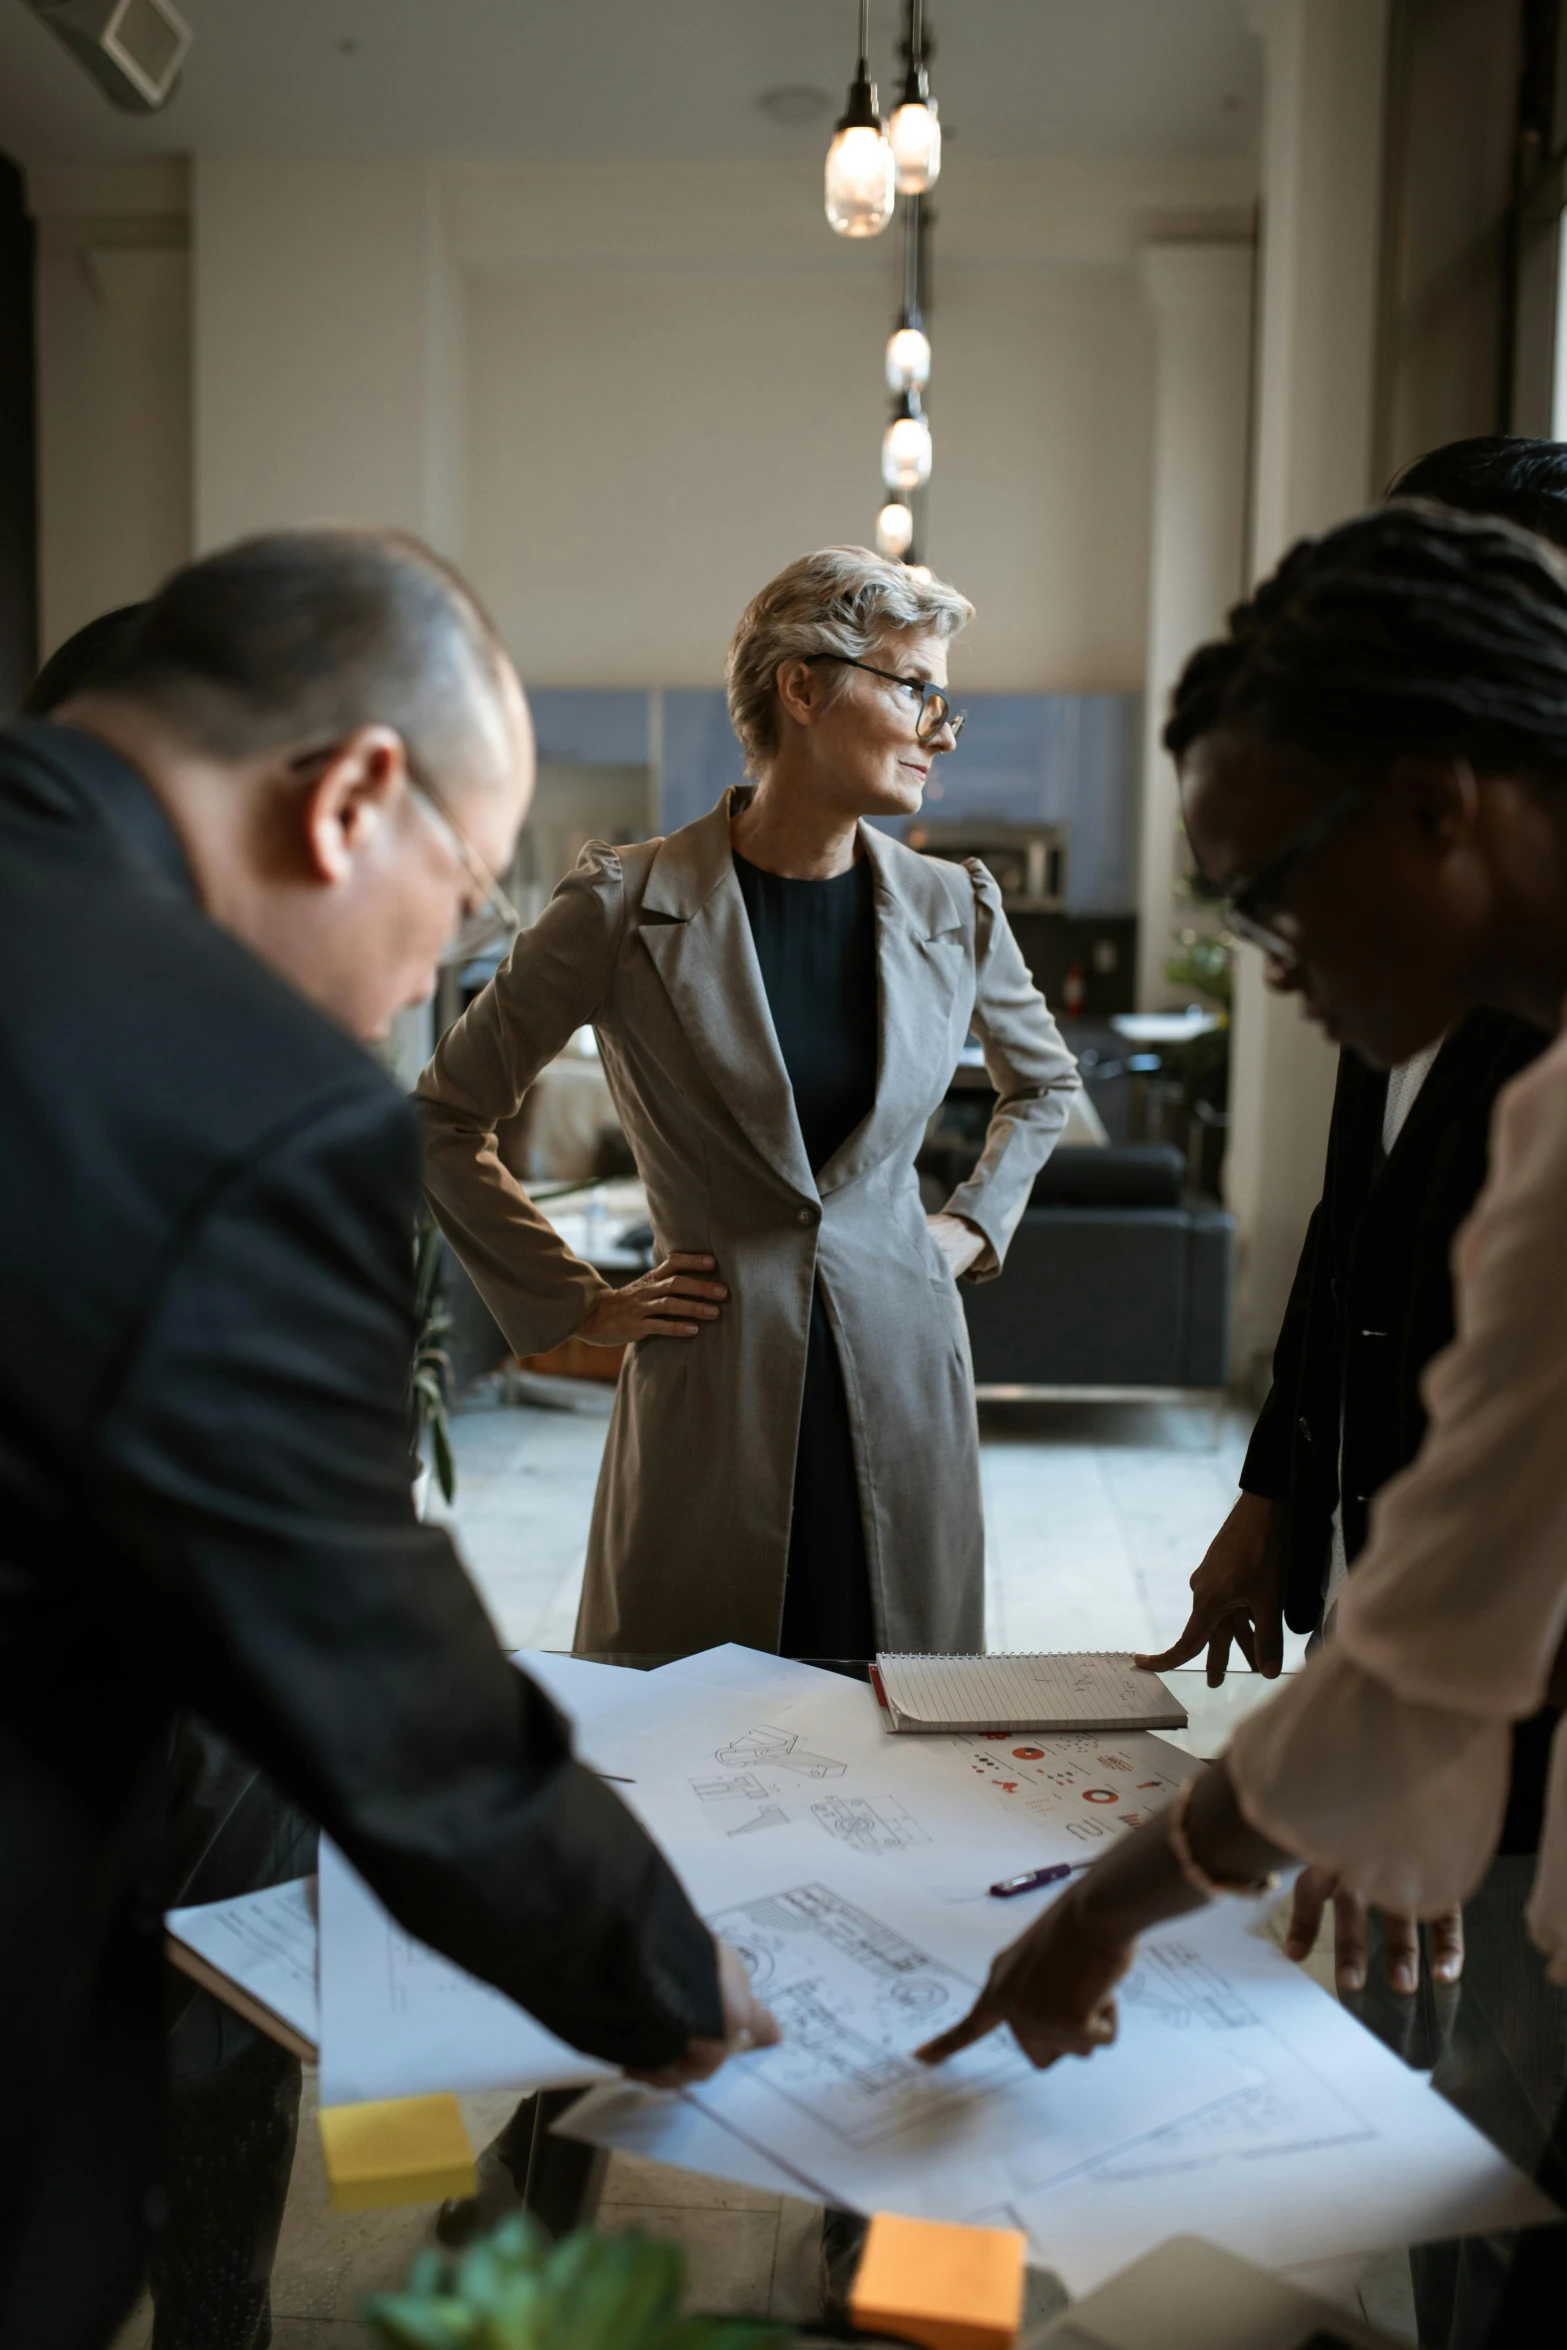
pixel 865 41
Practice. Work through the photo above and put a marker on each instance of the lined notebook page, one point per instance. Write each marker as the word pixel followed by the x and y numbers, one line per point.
pixel 1064 1692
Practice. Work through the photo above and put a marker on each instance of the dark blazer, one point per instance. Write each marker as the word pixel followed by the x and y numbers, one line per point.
pixel 207 1194
pixel 1372 1302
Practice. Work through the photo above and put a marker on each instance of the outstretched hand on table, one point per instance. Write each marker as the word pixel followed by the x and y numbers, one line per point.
pixel 1315 1887
pixel 747 2024
pixel 1053 1986
pixel 1237 1595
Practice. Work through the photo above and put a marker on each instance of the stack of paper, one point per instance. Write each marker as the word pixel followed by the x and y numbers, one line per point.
pixel 849 1866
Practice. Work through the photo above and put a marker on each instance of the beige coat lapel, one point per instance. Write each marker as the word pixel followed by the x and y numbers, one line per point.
pixel 919 961
pixel 698 935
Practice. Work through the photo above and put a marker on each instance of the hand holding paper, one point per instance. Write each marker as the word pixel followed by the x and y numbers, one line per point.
pixel 747 2024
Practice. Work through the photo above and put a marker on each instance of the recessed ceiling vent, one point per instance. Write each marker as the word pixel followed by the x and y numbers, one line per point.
pixel 133 49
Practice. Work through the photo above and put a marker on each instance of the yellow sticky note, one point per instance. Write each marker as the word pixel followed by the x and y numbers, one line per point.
pixel 398 2150
pixel 949 2287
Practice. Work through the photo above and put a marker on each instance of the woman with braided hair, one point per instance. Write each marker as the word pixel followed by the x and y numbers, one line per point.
pixel 1374 773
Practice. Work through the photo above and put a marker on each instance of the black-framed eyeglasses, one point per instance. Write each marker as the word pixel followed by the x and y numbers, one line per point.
pixel 1255 906
pixel 494 917
pixel 935 711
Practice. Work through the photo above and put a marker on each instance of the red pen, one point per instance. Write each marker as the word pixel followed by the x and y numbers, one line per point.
pixel 1031 1879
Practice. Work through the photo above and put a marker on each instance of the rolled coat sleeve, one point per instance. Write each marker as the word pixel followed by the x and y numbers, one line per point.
pixel 550 985
pixel 250 1475
pixel 1031 1069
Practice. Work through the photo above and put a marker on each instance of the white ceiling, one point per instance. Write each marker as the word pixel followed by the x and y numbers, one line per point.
pixel 643 79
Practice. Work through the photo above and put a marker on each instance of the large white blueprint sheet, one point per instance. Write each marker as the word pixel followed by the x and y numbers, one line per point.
pixel 1308 2140
pixel 1240 2102
pixel 266 1943
pixel 953 1813
pixel 1336 2150
pixel 399 2021
pixel 858 1967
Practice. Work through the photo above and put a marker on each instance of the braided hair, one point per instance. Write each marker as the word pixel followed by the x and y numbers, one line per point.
pixel 1410 629
pixel 1505 473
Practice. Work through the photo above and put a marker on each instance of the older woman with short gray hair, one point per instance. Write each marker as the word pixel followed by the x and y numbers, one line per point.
pixel 781 991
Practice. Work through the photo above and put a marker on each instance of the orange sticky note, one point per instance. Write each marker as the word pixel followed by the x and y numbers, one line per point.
pixel 397 2150
pixel 951 2288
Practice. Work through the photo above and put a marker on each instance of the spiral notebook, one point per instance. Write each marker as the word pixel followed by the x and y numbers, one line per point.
pixel 1081 1691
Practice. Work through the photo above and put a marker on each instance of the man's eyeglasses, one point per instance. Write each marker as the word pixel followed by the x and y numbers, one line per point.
pixel 1255 906
pixel 494 917
pixel 935 711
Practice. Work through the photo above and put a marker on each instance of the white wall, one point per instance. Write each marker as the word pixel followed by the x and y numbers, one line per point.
pixel 1200 303
pixel 1322 172
pixel 674 386
pixel 114 481
pixel 322 346
pixel 621 397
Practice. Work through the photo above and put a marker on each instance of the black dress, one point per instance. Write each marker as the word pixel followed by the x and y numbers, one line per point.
pixel 816 944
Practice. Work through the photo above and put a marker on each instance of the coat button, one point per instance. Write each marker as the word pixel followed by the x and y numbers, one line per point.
pixel 1304 1425
pixel 805 1215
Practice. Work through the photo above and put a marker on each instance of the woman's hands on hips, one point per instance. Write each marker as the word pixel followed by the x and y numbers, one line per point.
pixel 1053 1986
pixel 959 1241
pixel 673 1301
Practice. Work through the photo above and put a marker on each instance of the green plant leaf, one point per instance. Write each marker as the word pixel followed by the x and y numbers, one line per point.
pixel 523 2241
pixel 426 2323
pixel 720 2333
pixel 445 1464
pixel 430 2274
pixel 615 2292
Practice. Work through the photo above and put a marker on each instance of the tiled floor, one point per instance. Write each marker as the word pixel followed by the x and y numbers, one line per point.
pixel 1096 1516
pixel 1096 1513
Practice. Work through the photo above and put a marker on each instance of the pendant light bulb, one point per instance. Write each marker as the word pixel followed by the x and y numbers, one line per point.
pixel 908 357
pixel 914 135
pixel 894 529
pixel 862 175
pixel 861 180
pixel 906 446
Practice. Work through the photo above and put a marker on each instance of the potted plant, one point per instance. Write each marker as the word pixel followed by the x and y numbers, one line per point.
pixel 516 2290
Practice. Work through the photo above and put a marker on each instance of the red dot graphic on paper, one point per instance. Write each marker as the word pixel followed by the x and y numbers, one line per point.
pixel 1100 1795
pixel 1028 1754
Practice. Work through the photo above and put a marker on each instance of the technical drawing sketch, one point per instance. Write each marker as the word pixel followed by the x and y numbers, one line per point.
pixel 780 1750
pixel 1083 1784
pixel 1285 2107
pixel 730 1790
pixel 771 1815
pixel 849 2027
pixel 884 1826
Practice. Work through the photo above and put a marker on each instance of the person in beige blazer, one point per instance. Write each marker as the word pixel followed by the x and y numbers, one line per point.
pixel 780 993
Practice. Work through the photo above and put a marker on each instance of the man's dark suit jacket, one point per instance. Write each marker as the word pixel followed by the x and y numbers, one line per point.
pixel 1372 1302
pixel 207 1194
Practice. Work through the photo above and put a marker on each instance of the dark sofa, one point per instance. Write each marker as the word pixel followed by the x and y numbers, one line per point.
pixel 1117 1277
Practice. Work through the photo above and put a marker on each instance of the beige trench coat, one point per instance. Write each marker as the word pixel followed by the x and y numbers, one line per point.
pixel 652 945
